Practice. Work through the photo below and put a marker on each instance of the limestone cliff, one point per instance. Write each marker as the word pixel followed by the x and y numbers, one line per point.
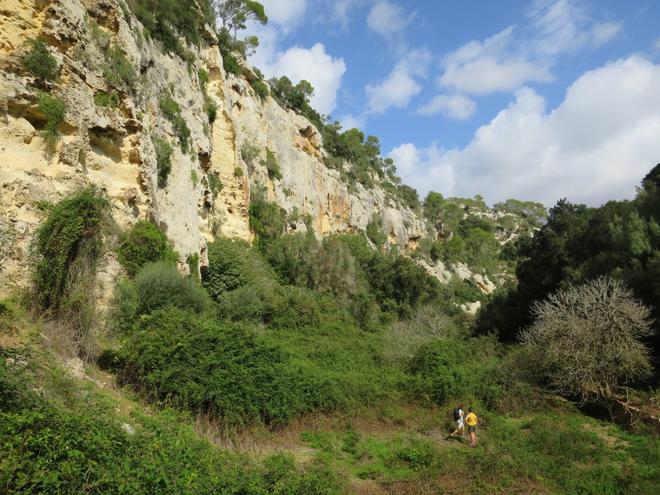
pixel 113 146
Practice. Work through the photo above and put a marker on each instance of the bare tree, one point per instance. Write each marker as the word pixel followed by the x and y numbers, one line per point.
pixel 588 339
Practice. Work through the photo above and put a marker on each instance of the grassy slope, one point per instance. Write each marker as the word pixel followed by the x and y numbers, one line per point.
pixel 392 446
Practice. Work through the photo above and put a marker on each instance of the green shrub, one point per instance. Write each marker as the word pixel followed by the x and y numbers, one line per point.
pixel 55 110
pixel 66 248
pixel 203 77
pixel 260 88
pixel 118 70
pixel 238 172
pixel 234 264
pixel 375 231
pixel 448 369
pixel 193 178
pixel 215 184
pixel 249 153
pixel 103 99
pixel 144 243
pixel 272 166
pixel 231 64
pixel 221 369
pixel 295 308
pixel 157 285
pixel 39 61
pixel 247 303
pixel 164 151
pixel 172 112
pixel 267 220
pixel 211 109
pixel 71 236
pixel 160 284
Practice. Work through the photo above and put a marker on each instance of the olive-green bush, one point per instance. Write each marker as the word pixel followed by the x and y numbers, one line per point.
pixel 39 61
pixel 144 243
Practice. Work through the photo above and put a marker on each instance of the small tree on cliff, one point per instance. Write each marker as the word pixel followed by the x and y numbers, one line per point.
pixel 235 14
pixel 587 339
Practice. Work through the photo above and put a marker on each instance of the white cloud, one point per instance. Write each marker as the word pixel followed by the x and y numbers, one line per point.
pixel 486 67
pixel 285 14
pixel 395 91
pixel 565 27
pixel 518 56
pixel 349 121
pixel 316 66
pixel 400 85
pixel 596 145
pixel 457 107
pixel 387 19
pixel 423 167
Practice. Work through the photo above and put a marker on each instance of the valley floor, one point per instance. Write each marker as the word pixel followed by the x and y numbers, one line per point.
pixel 62 421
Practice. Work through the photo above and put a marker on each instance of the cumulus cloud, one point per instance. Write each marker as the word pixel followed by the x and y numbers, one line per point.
pixel 285 14
pixel 596 145
pixel 457 107
pixel 387 19
pixel 400 85
pixel 395 91
pixel 316 66
pixel 564 26
pixel 481 68
pixel 514 57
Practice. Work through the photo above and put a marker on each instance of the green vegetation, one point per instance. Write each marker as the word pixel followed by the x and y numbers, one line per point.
pixel 118 70
pixel 238 172
pixel 164 151
pixel 165 21
pixel 193 178
pixel 144 243
pixel 272 166
pixel 103 99
pixel 66 249
pixel 375 232
pixel 620 239
pixel 172 112
pixel 215 184
pixel 260 88
pixel 39 61
pixel 267 219
pixel 211 109
pixel 55 110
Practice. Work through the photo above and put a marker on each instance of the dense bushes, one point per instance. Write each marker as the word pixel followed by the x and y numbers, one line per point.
pixel 267 220
pixel 158 285
pixel 81 448
pixel 54 109
pixel 577 244
pixel 144 243
pixel 169 19
pixel 67 243
pixel 451 369
pixel 219 368
pixel 39 61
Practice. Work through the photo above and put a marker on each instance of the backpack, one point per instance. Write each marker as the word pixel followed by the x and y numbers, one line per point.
pixel 457 414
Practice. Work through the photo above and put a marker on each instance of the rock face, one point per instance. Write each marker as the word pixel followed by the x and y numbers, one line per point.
pixel 113 148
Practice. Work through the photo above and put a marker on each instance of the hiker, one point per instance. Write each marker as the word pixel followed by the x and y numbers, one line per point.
pixel 472 420
pixel 458 417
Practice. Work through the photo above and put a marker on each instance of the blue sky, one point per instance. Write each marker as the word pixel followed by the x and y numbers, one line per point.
pixel 536 100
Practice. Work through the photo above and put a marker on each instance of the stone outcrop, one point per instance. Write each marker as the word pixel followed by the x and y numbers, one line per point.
pixel 113 148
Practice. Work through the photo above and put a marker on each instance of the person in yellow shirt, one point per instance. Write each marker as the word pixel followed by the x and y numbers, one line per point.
pixel 472 420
